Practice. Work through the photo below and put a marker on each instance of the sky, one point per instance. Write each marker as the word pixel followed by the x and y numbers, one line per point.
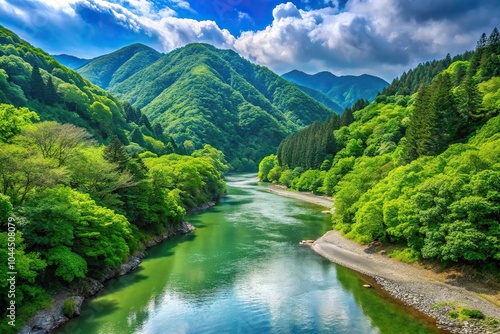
pixel 378 37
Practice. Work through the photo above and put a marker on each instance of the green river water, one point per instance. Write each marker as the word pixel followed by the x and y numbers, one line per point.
pixel 243 271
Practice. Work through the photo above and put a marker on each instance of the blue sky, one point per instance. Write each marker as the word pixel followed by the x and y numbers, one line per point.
pixel 379 37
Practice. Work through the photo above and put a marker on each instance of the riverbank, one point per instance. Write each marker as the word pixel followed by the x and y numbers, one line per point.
pixel 414 285
pixel 48 319
pixel 419 288
pixel 324 201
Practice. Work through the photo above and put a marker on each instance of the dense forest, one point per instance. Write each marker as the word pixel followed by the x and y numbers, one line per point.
pixel 418 167
pixel 85 179
pixel 200 94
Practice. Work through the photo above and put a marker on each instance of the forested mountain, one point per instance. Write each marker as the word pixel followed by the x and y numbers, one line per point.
pixel 107 70
pixel 85 180
pixel 31 78
pixel 419 170
pixel 343 90
pixel 71 61
pixel 320 97
pixel 201 94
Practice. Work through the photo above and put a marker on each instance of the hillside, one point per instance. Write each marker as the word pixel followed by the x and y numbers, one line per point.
pixel 115 67
pixel 343 90
pixel 322 98
pixel 79 193
pixel 29 77
pixel 201 94
pixel 418 170
pixel 71 61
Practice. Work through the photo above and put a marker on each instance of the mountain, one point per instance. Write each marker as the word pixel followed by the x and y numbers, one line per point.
pixel 106 70
pixel 343 90
pixel 201 94
pixel 71 61
pixel 320 97
pixel 29 77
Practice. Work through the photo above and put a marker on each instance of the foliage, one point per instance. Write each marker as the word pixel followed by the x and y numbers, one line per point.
pixel 420 170
pixel 82 206
pixel 13 119
pixel 69 308
pixel 201 95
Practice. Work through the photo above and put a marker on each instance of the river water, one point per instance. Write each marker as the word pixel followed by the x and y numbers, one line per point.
pixel 243 271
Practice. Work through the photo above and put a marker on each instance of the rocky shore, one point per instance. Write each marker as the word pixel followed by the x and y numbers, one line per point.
pixel 52 317
pixel 416 287
pixel 413 286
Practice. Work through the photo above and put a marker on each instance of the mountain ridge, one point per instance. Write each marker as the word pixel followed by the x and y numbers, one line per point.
pixel 343 90
pixel 202 94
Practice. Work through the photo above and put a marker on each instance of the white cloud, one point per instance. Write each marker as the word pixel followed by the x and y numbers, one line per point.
pixel 381 37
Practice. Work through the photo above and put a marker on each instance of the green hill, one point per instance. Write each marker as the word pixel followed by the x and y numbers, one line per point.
pixel 320 97
pixel 416 167
pixel 201 94
pixel 343 90
pixel 29 77
pixel 71 61
pixel 82 198
pixel 115 67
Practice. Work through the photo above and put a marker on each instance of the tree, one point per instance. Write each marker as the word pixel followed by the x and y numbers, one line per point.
pixel 13 120
pixel 266 165
pixel 469 99
pixel 22 171
pixel 37 86
pixel 419 131
pixel 115 153
pixel 57 141
pixel 51 96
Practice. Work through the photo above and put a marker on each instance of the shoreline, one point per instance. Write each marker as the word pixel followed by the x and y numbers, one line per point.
pixel 323 201
pixel 415 287
pixel 52 317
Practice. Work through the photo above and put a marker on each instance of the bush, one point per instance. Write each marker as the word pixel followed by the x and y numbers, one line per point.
pixel 453 314
pixel 69 308
pixel 473 314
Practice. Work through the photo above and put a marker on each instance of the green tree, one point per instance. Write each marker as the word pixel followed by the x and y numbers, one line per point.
pixel 57 141
pixel 266 165
pixel 37 86
pixel 13 120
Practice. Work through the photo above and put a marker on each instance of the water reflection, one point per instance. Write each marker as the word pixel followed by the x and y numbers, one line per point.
pixel 242 271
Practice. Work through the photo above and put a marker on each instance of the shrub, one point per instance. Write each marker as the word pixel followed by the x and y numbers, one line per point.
pixel 69 308
pixel 473 314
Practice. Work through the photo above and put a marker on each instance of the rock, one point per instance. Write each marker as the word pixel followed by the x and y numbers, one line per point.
pixel 184 228
pixel 94 287
pixel 132 263
pixel 50 318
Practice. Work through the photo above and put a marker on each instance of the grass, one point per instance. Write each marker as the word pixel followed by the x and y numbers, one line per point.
pixel 458 312
pixel 406 255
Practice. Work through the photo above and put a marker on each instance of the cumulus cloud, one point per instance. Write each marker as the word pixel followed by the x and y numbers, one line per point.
pixel 93 27
pixel 380 37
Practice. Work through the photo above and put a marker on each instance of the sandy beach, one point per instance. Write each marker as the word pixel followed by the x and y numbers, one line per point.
pixel 415 286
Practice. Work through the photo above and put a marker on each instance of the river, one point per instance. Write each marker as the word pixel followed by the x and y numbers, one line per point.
pixel 243 271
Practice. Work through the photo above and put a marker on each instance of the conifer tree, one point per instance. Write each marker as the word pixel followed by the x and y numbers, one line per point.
pixel 37 86
pixel 51 96
pixel 419 132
